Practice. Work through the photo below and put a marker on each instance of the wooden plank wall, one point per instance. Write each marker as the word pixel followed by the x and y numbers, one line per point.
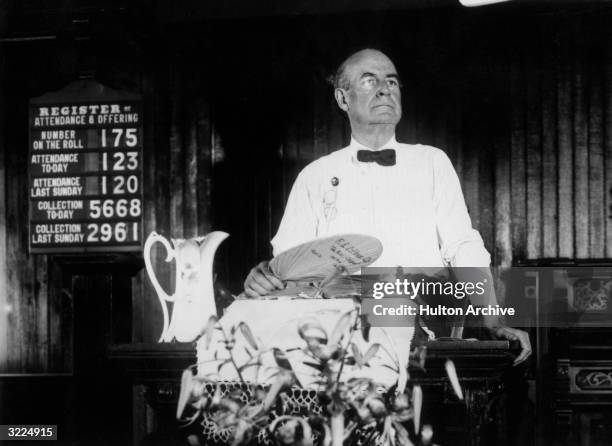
pixel 4 326
pixel 231 118
pixel 560 158
pixel 33 338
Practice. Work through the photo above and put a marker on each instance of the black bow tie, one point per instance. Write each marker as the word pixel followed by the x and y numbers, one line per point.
pixel 384 157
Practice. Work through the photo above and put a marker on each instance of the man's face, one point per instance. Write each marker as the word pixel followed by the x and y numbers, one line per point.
pixel 373 95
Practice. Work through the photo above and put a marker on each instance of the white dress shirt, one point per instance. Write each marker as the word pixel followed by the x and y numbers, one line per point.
pixel 415 208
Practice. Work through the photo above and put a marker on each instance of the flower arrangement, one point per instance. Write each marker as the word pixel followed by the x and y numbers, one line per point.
pixel 353 410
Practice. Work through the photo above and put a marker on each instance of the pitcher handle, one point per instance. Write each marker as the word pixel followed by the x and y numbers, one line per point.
pixel 161 293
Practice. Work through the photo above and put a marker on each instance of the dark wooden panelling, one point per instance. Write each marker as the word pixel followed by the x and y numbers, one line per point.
pixel 18 298
pixel 205 163
pixel 61 318
pixel 502 174
pixel 4 314
pixel 40 314
pixel 548 80
pixel 581 149
pixel 503 208
pixel 596 166
pixel 176 167
pixel 565 185
pixel 517 160
pixel 607 97
pixel 141 286
pixel 533 160
pixel 191 172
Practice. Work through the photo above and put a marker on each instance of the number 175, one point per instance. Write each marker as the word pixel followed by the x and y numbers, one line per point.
pixel 129 136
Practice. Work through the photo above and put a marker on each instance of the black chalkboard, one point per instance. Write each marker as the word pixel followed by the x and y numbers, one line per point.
pixel 85 170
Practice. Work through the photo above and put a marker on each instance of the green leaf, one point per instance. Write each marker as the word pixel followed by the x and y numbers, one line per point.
pixel 209 329
pixel 189 421
pixel 321 352
pixel 311 329
pixel 371 352
pixel 281 359
pixel 365 327
pixel 357 354
pixel 451 371
pixel 327 437
pixel 341 327
pixel 417 404
pixel 185 396
pixel 318 367
pixel 248 335
pixel 350 361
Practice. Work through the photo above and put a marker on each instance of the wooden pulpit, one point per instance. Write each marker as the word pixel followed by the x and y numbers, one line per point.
pixel 155 370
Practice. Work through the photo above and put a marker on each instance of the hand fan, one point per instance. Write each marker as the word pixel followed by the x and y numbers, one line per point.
pixel 343 286
pixel 295 291
pixel 320 258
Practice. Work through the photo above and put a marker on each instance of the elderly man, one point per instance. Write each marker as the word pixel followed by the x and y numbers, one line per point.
pixel 408 196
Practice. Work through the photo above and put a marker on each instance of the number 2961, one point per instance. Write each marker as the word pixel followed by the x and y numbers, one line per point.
pixel 119 232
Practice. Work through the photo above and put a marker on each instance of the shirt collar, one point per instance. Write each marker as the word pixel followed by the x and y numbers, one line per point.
pixel 390 144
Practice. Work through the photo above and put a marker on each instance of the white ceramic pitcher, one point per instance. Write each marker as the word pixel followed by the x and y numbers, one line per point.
pixel 194 298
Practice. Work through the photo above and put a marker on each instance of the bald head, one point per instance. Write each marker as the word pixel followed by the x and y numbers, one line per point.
pixel 342 77
pixel 368 91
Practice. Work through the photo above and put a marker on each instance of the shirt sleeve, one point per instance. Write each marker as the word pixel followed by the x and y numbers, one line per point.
pixel 460 244
pixel 299 222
